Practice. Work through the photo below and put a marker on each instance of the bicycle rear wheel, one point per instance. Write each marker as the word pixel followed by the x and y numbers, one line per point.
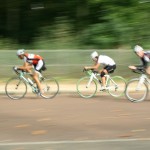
pixel 116 86
pixel 84 90
pixel 136 91
pixel 50 88
pixel 15 88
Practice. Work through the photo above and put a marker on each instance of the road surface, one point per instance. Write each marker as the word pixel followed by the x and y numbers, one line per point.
pixel 69 122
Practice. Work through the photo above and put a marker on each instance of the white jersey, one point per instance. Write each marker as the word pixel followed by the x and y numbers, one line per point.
pixel 105 60
pixel 147 56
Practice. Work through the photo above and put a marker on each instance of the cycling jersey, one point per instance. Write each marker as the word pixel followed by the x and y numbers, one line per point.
pixel 105 60
pixel 32 58
pixel 35 60
pixel 145 59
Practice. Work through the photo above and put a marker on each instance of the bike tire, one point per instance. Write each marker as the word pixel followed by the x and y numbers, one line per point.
pixel 116 88
pixel 15 88
pixel 50 86
pixel 83 90
pixel 134 94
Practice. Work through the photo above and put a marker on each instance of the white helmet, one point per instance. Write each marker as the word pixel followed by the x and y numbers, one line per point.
pixel 138 48
pixel 94 54
pixel 20 52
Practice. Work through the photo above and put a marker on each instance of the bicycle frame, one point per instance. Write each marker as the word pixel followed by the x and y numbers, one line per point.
pixel 21 76
pixel 94 76
pixel 148 80
pixel 142 79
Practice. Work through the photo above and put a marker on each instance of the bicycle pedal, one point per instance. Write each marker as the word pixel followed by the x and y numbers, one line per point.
pixel 102 90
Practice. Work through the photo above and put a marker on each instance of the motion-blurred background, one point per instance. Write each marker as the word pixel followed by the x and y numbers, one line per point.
pixel 65 32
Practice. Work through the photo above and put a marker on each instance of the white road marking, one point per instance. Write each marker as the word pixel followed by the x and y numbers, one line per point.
pixel 72 142
pixel 4 141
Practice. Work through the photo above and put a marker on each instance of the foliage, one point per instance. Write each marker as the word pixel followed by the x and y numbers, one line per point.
pixel 49 23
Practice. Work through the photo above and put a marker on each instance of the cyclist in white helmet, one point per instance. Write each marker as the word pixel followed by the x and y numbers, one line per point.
pixel 108 64
pixel 33 64
pixel 144 57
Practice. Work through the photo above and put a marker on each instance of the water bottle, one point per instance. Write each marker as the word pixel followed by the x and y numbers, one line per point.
pixel 30 81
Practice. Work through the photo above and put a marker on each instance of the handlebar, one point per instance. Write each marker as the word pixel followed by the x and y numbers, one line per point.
pixel 89 71
pixel 18 71
pixel 15 70
pixel 139 71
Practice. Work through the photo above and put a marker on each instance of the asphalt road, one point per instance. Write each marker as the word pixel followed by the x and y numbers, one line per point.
pixel 69 122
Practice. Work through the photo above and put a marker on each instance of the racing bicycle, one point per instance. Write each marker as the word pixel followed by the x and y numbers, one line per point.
pixel 87 86
pixel 137 88
pixel 16 87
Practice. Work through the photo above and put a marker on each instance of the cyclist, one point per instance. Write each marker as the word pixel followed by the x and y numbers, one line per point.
pixel 32 61
pixel 108 63
pixel 144 57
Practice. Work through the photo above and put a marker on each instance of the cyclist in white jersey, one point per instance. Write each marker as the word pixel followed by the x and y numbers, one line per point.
pixel 108 64
pixel 144 57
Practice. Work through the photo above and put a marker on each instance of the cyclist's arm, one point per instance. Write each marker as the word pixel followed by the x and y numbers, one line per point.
pixel 92 67
pixel 143 65
pixel 137 67
pixel 26 67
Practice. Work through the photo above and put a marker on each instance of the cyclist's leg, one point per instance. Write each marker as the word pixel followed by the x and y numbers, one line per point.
pixel 103 72
pixel 38 68
pixel 148 70
pixel 106 70
pixel 28 67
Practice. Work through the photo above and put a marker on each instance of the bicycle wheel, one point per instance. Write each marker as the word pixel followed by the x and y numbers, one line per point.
pixel 15 88
pixel 50 87
pixel 116 86
pixel 84 90
pixel 136 91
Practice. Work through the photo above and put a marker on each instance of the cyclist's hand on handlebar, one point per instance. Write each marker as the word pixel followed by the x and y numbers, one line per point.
pixel 132 67
pixel 85 69
pixel 137 69
pixel 15 68
pixel 88 68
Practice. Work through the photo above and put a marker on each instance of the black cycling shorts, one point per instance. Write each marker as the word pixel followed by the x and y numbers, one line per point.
pixel 110 69
pixel 43 67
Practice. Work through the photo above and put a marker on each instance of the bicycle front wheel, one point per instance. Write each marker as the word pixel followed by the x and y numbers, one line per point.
pixel 85 88
pixel 136 91
pixel 50 88
pixel 15 88
pixel 116 86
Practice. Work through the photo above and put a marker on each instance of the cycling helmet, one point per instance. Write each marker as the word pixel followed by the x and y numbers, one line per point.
pixel 94 54
pixel 138 48
pixel 20 52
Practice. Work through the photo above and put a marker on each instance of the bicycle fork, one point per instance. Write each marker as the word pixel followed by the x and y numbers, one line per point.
pixel 91 78
pixel 141 81
pixel 17 85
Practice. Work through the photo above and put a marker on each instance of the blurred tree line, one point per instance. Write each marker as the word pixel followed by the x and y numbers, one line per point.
pixel 74 23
